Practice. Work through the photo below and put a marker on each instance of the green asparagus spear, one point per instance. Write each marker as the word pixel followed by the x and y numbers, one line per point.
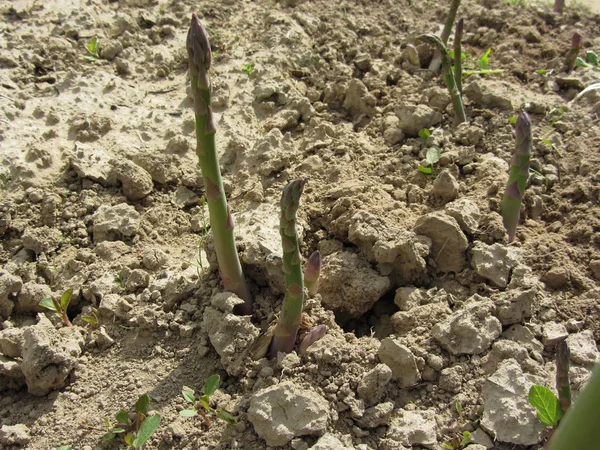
pixel 284 335
pixel 458 54
pixel 573 52
pixel 517 178
pixel 434 65
pixel 221 222
pixel 311 272
pixel 563 384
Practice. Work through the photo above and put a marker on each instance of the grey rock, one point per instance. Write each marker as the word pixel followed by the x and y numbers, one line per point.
pixel 10 368
pixel 507 414
pixel 185 197
pixel 504 349
pixel 470 330
pixel 494 262
pixel 377 415
pixel 448 241
pixel 115 222
pixel 329 442
pixel 466 212
pixel 285 411
pixel 110 49
pixel 392 134
pixel 31 295
pixel 415 117
pixel 583 348
pixel 90 162
pixel 421 316
pixel 15 435
pixel 49 355
pixel 9 285
pixel 515 305
pixel 137 279
pixel 523 335
pixel 11 342
pixel 112 305
pixel 553 333
pixel 480 437
pixel 153 258
pixel 137 183
pixel 401 360
pixel 358 100
pixel 451 379
pixel 371 387
pixel 411 428
pixel 468 134
pixel 490 94
pixel 42 240
pixel 445 188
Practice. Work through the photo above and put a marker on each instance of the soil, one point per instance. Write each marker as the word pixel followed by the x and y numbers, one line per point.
pixel 100 193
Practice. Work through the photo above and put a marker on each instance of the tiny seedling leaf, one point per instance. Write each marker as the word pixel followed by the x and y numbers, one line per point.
pixel 591 57
pixel 128 438
pixel 204 402
pixel 224 415
pixel 109 436
pixel 433 154
pixel 141 406
pixel 146 430
pixel 579 62
pixel 465 439
pixel 424 133
pixel 546 404
pixel 447 446
pixel 49 304
pixel 122 416
pixel 484 63
pixel 92 320
pixel 423 169
pixel 188 413
pixel 459 408
pixel 211 385
pixel 188 394
pixel 65 299
pixel 65 447
pixel 512 120
pixel 117 430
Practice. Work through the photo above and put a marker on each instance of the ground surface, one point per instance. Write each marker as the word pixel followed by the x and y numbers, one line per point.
pixel 100 193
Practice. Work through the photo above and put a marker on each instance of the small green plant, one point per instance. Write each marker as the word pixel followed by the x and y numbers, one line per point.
pixel 458 441
pixel 591 60
pixel 65 447
pixel 92 48
pixel 4 180
pixel 120 279
pixel 484 66
pixel 92 318
pixel 201 405
pixel 249 68
pixel 59 306
pixel 134 432
pixel 424 133
pixel 432 157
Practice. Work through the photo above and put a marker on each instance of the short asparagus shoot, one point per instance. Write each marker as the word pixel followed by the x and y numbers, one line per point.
pixel 312 272
pixel 458 54
pixel 573 52
pixel 221 221
pixel 518 175
pixel 286 329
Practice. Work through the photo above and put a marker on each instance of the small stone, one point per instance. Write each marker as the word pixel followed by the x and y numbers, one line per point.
pixel 480 437
pixel 42 240
pixel 553 333
pixel 14 435
pixel 114 222
pixel 445 188
pixel 153 258
pixel 110 49
pixel 137 182
pixel 583 348
pixel 556 277
pixel 372 385
pixel 137 279
pixel 400 360
pixel 377 415
pixel 411 428
pixel 515 305
pixel 329 442
pixel 11 342
pixel 451 379
pixel 466 212
pixel 9 285
pixel 416 117
pixel 494 262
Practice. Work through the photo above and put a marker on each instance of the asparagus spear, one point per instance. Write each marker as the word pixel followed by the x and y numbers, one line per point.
pixel 284 335
pixel 517 178
pixel 434 65
pixel 221 222
pixel 458 54
pixel 311 272
pixel 563 384
pixel 573 52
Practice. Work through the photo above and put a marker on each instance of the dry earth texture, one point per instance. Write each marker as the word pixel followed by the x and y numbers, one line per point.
pixel 426 303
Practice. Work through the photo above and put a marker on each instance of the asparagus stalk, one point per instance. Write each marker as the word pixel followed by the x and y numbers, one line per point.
pixel 311 337
pixel 559 6
pixel 435 63
pixel 573 52
pixel 311 273
pixel 448 75
pixel 284 335
pixel 221 222
pixel 517 178
pixel 563 384
pixel 458 54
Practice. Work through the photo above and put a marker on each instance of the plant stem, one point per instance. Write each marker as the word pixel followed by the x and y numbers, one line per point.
pixel 434 66
pixel 221 222
pixel 284 335
pixel 563 384
pixel 458 54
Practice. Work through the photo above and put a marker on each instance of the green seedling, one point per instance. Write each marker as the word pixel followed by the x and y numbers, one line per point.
pixel 60 306
pixel 591 57
pixel 459 412
pixel 590 61
pixel 92 48
pixel 458 54
pixel 432 157
pixel 438 56
pixel 221 221
pixel 92 318
pixel 4 180
pixel 458 441
pixel 484 66
pixel 135 432
pixel 424 133
pixel 512 120
pixel 201 405
pixel 120 279
pixel 249 68
pixel 65 447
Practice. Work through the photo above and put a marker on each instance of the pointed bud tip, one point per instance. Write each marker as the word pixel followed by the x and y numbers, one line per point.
pixel 523 126
pixel 315 259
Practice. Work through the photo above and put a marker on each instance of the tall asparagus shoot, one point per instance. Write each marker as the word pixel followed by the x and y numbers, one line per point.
pixel 448 75
pixel 284 335
pixel 573 52
pixel 312 272
pixel 458 32
pixel 221 222
pixel 435 63
pixel 517 178
pixel 563 384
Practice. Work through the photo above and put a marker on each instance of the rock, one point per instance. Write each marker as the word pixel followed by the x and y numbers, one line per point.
pixel 494 262
pixel 524 336
pixel 110 49
pixel 400 360
pixel 421 316
pixel 177 286
pixel 348 285
pixel 114 222
pixel 153 258
pixel 10 368
pixel 451 379
pixel 470 330
pixel 94 164
pixel 282 412
pixel 556 277
pixel 9 285
pixel 504 349
pixel 14 435
pixel 358 100
pixel 283 120
pixel 507 413
pixel 468 134
pixel 448 241
pixel 411 428
pixel 376 416
pixel 137 279
pixel 185 197
pixel 583 348
pixel 466 212
pixel 553 333
pixel 31 295
pixel 410 297
pixel 42 240
pixel 416 117
pixel 371 387
pixel 137 183
pixel 11 342
pixel 49 355
pixel 445 188
pixel 480 437
pixel 491 94
pixel 329 442
pixel 392 134
pixel 515 305
pixel 231 335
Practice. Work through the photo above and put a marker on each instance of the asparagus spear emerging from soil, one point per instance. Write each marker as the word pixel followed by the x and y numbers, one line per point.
pixel 221 222
pixel 559 6
pixel 435 63
pixel 284 335
pixel 458 54
pixel 563 384
pixel 311 272
pixel 573 53
pixel 517 178
pixel 448 75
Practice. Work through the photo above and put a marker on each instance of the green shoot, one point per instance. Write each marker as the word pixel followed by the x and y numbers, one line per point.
pixel 458 441
pixel 484 66
pixel 201 405
pixel 249 68
pixel 512 120
pixel 65 447
pixel 92 318
pixel 458 55
pixel 4 180
pixel 93 48
pixel 120 279
pixel 546 404
pixel 424 133
pixel 459 411
pixel 59 306
pixel 484 63
pixel 591 57
pixel 432 156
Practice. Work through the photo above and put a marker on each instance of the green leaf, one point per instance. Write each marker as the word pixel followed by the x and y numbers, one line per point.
pixel 591 57
pixel 128 438
pixel 93 320
pixel 109 436
pixel 423 169
pixel 466 438
pixel 188 394
pixel 424 133
pixel 122 416
pixel 188 413
pixel 65 447
pixel 447 446
pixel 211 385
pixel 546 404
pixel 580 62
pixel 484 60
pixel 117 430
pixel 433 154
pixel 204 402
pixel 224 415
pixel 65 299
pixel 146 430
pixel 512 120
pixel 542 71
pixel 142 404
pixel 48 303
